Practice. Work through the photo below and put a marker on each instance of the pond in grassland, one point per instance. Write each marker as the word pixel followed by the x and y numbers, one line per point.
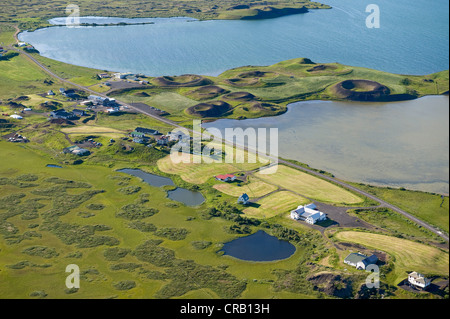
pixel 185 196
pixel 259 246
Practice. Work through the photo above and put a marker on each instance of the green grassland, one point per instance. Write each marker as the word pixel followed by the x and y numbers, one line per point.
pixel 44 208
pixel 432 208
pixel 33 14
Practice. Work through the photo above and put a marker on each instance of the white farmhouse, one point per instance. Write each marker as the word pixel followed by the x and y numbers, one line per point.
pixel 418 280
pixel 308 213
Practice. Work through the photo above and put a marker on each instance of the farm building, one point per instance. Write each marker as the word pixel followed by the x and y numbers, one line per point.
pixel 103 75
pixel 308 213
pixel 76 150
pixel 360 261
pixel 137 134
pixel 146 131
pixel 62 114
pixel 50 92
pixel 79 113
pixel 177 135
pixel 162 140
pixel 418 280
pixel 243 199
pixel 17 117
pixel 226 178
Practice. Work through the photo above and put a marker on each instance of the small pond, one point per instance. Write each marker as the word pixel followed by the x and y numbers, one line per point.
pixel 151 179
pixel 259 246
pixel 185 196
pixel 53 165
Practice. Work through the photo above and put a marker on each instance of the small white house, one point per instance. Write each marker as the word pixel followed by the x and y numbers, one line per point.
pixel 17 117
pixel 308 213
pixel 418 280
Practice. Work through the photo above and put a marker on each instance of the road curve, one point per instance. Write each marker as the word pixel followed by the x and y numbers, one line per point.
pixel 306 170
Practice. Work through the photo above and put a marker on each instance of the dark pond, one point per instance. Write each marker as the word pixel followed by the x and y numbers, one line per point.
pixel 186 196
pixel 259 246
pixel 182 195
pixel 151 179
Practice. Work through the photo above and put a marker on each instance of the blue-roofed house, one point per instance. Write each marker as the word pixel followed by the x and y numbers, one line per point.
pixel 243 199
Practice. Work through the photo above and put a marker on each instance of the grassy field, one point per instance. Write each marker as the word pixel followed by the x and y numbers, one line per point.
pixel 255 188
pixel 199 173
pixel 19 76
pixel 309 186
pixel 409 256
pixel 395 223
pixel 432 208
pixel 275 204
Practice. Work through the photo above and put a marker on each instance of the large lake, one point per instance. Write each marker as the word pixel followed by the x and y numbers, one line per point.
pixel 400 144
pixel 413 39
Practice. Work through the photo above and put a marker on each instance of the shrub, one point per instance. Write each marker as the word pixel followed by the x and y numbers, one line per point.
pixel 135 211
pixel 129 190
pixel 125 285
pixel 116 253
pixel 172 233
pixel 201 244
pixel 142 226
pixel 125 266
pixel 41 251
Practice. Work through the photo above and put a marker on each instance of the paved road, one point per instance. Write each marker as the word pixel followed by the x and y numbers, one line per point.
pixel 309 171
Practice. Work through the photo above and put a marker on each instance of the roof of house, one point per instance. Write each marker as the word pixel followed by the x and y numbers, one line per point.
pixel 225 176
pixel 244 197
pixel 418 277
pixel 355 258
pixel 146 130
pixel 370 260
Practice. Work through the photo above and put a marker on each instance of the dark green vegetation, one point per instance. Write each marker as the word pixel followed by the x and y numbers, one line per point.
pixel 32 14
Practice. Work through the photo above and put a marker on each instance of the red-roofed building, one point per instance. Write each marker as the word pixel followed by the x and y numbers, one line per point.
pixel 225 178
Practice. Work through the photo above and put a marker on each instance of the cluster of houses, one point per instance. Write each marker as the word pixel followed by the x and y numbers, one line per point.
pixel 308 213
pixel 17 138
pixel 76 150
pixel 142 136
pixel 361 262
pixel 65 115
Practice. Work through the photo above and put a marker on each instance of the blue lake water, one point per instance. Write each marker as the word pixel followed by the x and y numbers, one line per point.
pixel 398 144
pixel 413 39
pixel 259 246
pixel 185 196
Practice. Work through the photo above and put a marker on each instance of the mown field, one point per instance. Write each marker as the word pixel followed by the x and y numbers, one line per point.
pixel 309 186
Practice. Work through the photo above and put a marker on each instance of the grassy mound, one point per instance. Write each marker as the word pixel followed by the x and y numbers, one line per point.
pixel 206 92
pixel 212 109
pixel 240 96
pixel 360 90
pixel 186 80
pixel 253 74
